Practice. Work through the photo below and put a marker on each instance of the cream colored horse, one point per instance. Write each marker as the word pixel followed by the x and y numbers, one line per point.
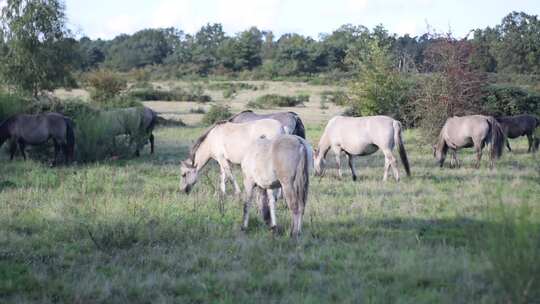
pixel 227 143
pixel 469 131
pixel 270 164
pixel 362 136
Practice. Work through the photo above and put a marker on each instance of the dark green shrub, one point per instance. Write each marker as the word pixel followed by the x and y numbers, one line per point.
pixel 273 100
pixel 105 85
pixel 216 113
pixel 198 110
pixel 11 104
pixel 510 100
pixel 237 86
pixel 338 98
pixel 176 94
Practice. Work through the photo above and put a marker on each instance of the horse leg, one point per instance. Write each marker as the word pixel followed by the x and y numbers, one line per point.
pixel 230 174
pixel 294 207
pixel 56 149
pixel 12 149
pixel 351 165
pixel 530 139
pixel 390 161
pixel 272 207
pixel 249 186
pixel 478 150
pixel 21 147
pixel 151 139
pixel 386 167
pixel 222 184
pixel 337 155
pixel 454 163
pixel 508 145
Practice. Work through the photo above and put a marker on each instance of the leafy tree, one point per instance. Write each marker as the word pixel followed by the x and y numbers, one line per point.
pixel 337 44
pixel 294 55
pixel 518 49
pixel 38 54
pixel 205 48
pixel 380 88
pixel 146 47
pixel 484 42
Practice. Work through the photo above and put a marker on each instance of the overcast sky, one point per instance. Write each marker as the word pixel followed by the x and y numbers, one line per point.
pixel 108 18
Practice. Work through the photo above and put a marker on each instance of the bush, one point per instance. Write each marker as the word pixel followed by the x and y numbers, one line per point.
pixel 11 104
pixel 105 85
pixel 198 110
pixel 510 100
pixel 176 94
pixel 272 100
pixel 216 113
pixel 236 86
pixel 94 141
pixel 339 98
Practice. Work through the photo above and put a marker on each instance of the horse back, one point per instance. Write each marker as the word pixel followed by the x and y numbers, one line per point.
pixel 354 134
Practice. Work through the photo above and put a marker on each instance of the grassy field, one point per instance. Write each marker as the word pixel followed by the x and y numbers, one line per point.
pixel 120 231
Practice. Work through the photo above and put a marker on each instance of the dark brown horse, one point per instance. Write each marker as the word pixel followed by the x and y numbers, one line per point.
pixel 520 125
pixel 25 129
pixel 469 131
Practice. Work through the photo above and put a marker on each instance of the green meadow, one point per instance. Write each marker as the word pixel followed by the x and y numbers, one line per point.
pixel 120 231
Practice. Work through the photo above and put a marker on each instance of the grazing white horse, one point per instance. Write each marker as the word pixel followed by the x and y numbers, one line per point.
pixel 227 143
pixel 362 136
pixel 273 163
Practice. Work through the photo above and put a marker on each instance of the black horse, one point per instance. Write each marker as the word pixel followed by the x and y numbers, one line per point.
pixel 25 129
pixel 520 125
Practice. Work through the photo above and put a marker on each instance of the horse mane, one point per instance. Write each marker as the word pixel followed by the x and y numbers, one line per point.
pixel 238 114
pixel 201 139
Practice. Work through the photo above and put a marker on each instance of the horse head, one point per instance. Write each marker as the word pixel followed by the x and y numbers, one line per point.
pixel 189 175
pixel 439 153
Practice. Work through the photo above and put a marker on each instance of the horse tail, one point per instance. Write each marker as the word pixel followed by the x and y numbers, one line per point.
pixel 70 138
pixel 301 179
pixel 299 128
pixel 153 122
pixel 497 138
pixel 398 140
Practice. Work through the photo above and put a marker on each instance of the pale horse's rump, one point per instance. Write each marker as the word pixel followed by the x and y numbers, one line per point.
pixel 282 162
pixel 227 143
pixel 358 136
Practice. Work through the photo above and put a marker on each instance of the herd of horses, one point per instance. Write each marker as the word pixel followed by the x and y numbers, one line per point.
pixel 272 150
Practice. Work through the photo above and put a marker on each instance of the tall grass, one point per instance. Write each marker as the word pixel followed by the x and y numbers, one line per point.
pixel 512 245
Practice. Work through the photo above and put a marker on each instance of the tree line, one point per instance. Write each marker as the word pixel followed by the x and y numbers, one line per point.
pixel 38 51
pixel 512 46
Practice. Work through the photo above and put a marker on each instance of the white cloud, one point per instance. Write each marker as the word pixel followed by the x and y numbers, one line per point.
pixel 176 13
pixel 357 6
pixel 238 15
pixel 411 27
pixel 121 24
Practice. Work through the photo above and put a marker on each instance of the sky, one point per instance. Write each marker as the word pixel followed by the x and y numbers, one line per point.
pixel 109 18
